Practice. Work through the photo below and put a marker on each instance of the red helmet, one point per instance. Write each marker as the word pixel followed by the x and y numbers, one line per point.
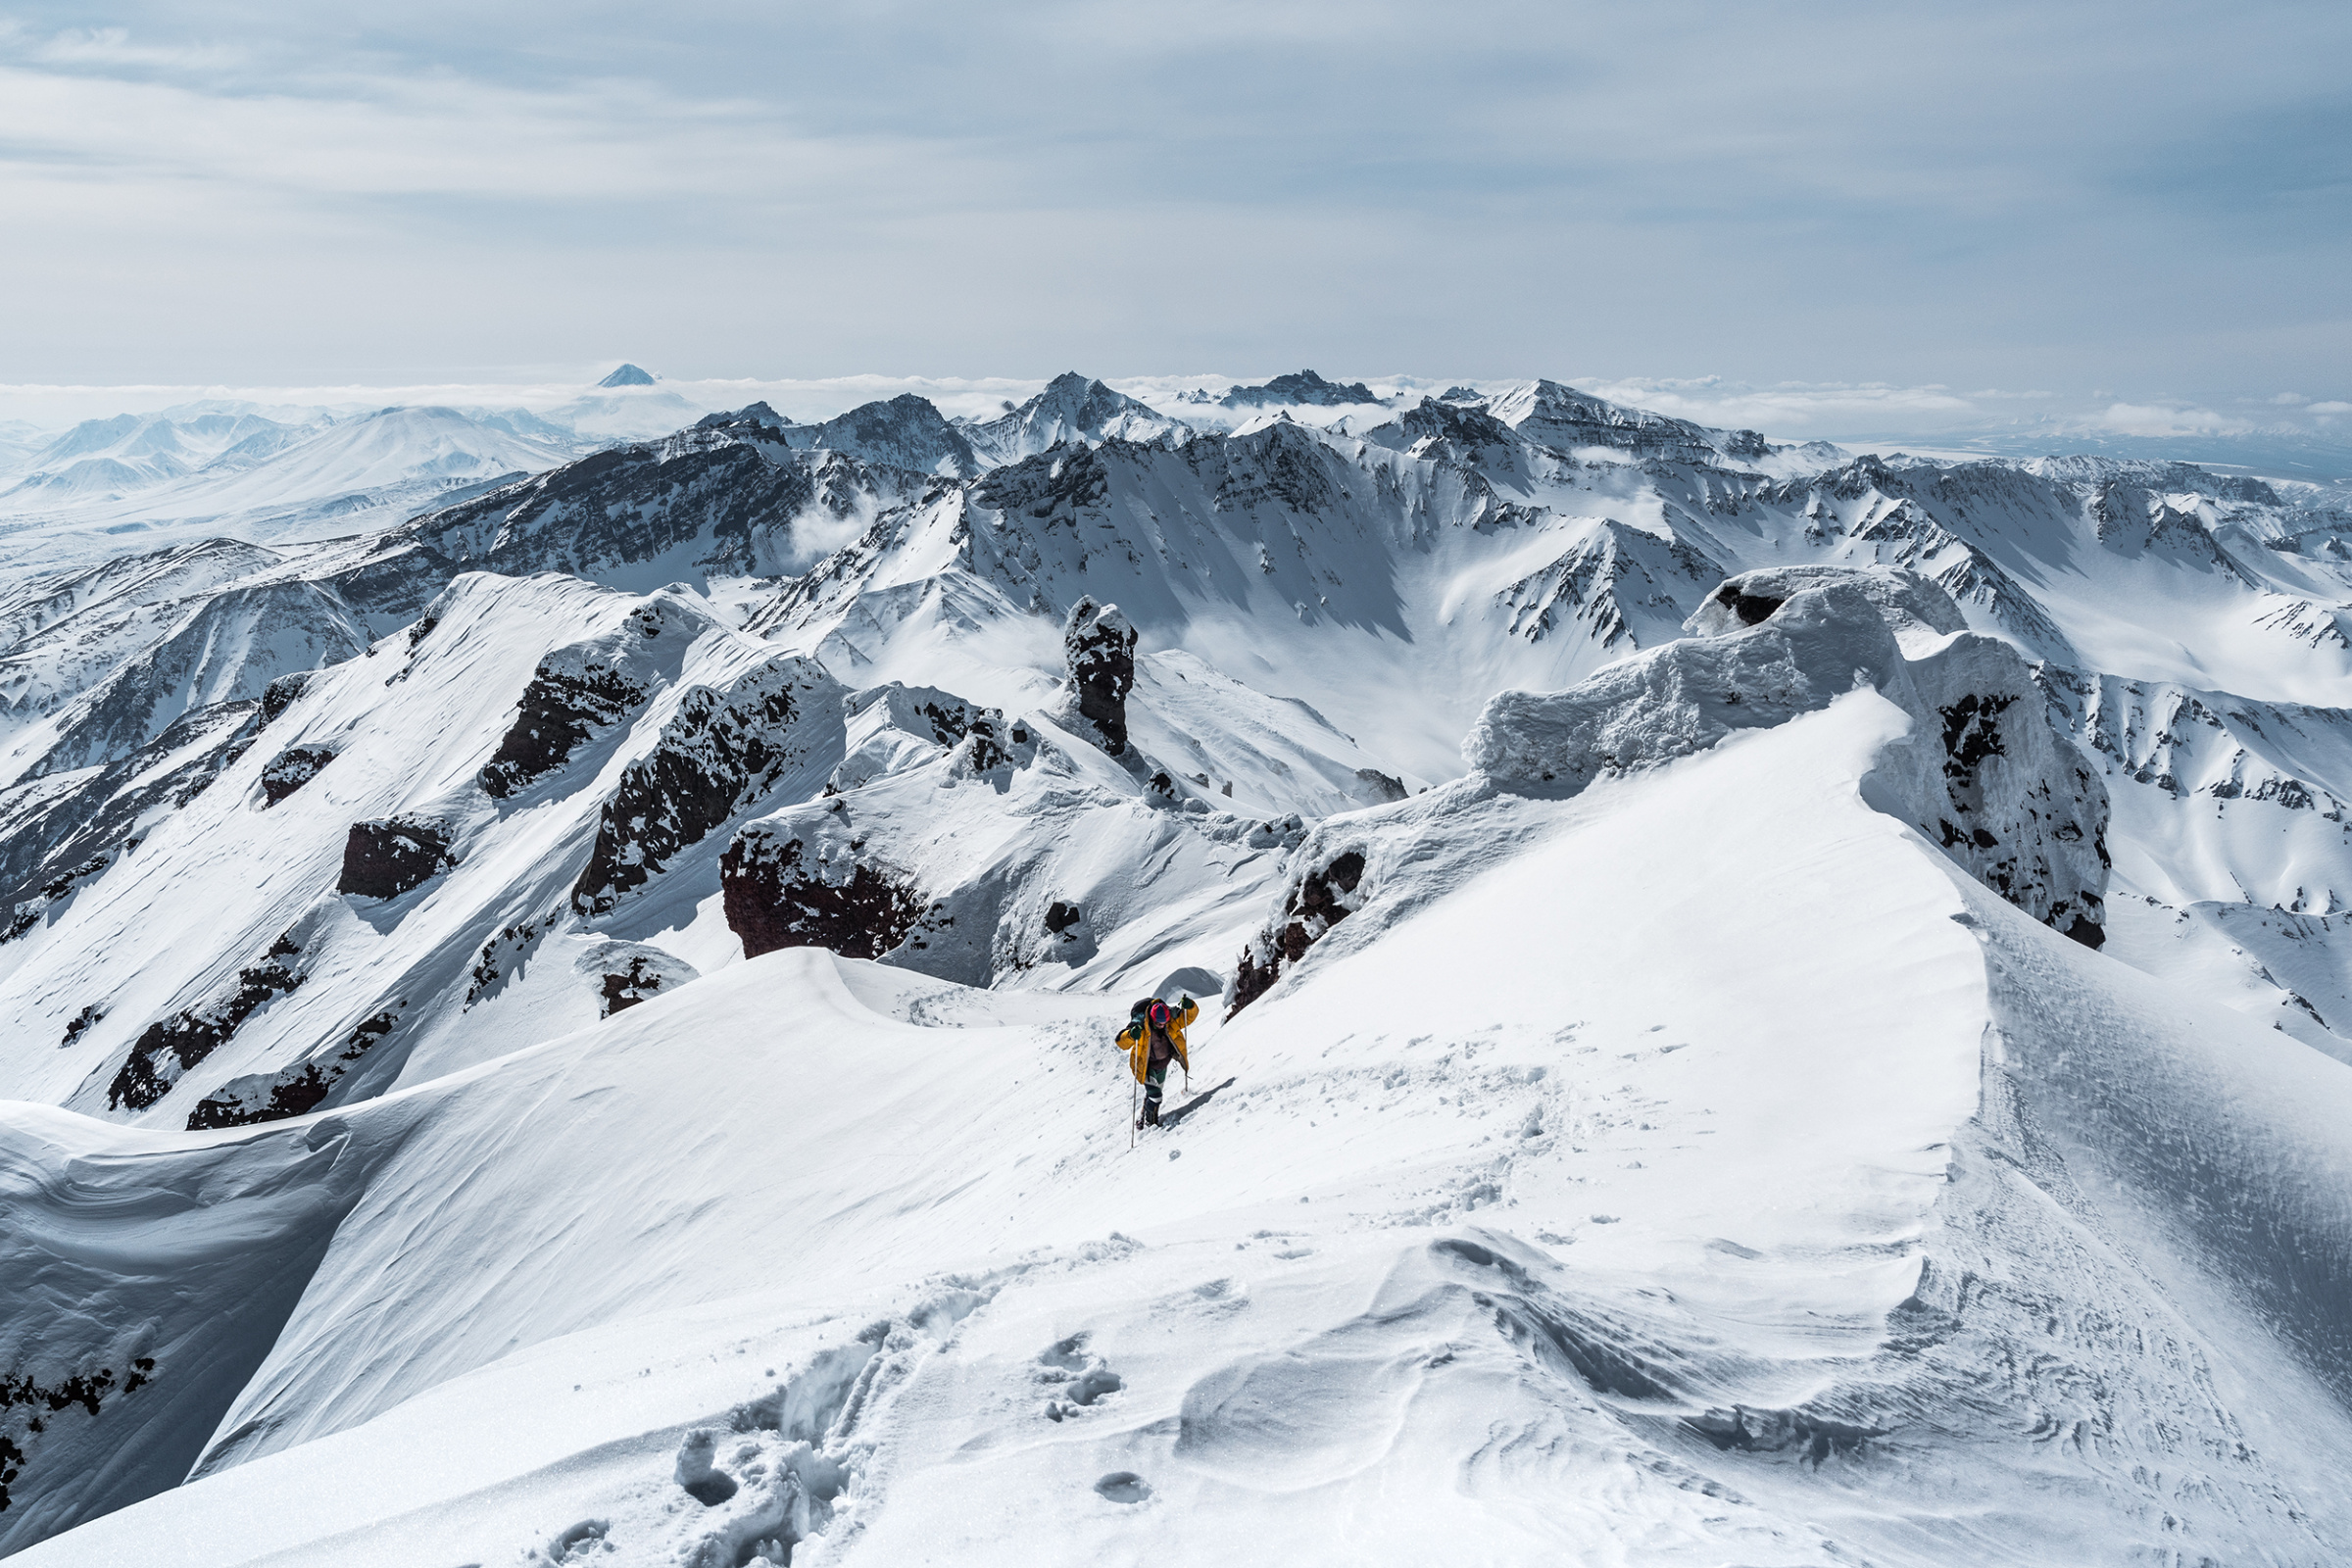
pixel 1157 1012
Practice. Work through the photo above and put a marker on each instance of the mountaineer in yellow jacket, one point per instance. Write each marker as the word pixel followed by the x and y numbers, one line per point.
pixel 1154 1038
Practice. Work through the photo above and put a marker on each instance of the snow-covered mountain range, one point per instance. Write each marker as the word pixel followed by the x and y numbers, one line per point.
pixel 1761 1003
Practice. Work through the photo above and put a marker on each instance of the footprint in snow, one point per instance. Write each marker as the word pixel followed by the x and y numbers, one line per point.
pixel 1079 1379
pixel 1123 1485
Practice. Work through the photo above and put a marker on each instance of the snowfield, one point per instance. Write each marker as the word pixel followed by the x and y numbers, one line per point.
pixel 1759 1007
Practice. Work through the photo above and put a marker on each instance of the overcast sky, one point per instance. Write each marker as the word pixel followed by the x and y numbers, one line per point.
pixel 2143 202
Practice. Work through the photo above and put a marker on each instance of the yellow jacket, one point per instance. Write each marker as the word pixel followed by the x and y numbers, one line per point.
pixel 1136 1039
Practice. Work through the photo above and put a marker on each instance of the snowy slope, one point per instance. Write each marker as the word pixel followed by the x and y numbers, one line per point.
pixel 1667 1268
pixel 1628 870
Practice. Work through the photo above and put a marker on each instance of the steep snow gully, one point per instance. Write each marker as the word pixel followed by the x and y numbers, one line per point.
pixel 1848 1065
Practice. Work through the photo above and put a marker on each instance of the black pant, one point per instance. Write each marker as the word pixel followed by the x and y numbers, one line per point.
pixel 1155 1079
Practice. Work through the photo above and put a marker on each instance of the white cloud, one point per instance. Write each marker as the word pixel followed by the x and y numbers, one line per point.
pixel 2160 420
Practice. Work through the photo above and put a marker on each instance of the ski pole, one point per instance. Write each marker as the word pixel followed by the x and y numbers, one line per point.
pixel 1130 1110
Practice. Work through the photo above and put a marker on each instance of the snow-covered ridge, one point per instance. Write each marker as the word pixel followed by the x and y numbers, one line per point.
pixel 1628 870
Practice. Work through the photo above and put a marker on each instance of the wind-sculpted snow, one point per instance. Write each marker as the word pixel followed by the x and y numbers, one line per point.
pixel 181 1273
pixel 1775 1255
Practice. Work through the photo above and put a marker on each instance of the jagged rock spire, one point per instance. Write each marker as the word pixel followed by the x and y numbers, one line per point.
pixel 1098 646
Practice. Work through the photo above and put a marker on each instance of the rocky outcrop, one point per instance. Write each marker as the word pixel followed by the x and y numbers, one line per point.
pixel 577 692
pixel 893 728
pixel 813 887
pixel 721 751
pixel 168 1046
pixel 292 768
pixel 391 855
pixel 283 693
pixel 299 1089
pixel 51 898
pixel 626 973
pixel 1319 896
pixel 1097 649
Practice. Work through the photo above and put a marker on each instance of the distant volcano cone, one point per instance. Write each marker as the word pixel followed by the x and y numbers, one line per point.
pixel 628 375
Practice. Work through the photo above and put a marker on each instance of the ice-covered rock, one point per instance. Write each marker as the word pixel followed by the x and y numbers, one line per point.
pixel 1916 610
pixel 1983 774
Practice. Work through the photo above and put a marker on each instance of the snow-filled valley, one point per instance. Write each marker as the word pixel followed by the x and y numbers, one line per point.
pixel 1761 1004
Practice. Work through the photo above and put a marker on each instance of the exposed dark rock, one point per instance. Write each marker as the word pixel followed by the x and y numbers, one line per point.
pixel 718 753
pixel 170 1046
pixel 292 768
pixel 280 694
pixel 294 1090
pixel 1814 1438
pixel 632 986
pixel 626 973
pixel 1061 916
pixel 560 710
pixel 779 895
pixel 1751 609
pixel 19 1391
pixel 81 1024
pixel 1320 898
pixel 503 952
pixel 1384 785
pixel 1972 734
pixel 1461 431
pixel 1097 648
pixel 50 896
pixel 388 857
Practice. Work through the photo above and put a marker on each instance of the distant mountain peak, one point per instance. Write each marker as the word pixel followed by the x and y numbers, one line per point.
pixel 1302 386
pixel 628 375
